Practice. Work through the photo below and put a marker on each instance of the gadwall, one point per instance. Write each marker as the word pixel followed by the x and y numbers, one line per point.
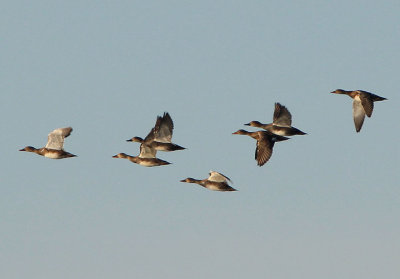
pixel 363 104
pixel 281 124
pixel 147 157
pixel 54 147
pixel 216 182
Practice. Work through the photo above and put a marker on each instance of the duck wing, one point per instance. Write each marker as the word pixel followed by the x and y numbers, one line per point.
pixel 282 116
pixel 147 151
pixel 164 128
pixel 358 113
pixel 150 136
pixel 217 177
pixel 55 140
pixel 263 149
pixel 367 102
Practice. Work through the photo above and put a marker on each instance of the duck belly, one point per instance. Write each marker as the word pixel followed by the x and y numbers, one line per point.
pixel 52 155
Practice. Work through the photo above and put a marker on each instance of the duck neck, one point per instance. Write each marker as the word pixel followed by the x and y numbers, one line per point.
pixel 40 151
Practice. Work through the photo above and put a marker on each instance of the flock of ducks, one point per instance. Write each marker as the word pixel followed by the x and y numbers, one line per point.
pixel 160 138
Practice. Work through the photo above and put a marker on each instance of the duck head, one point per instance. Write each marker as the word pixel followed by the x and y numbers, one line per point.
pixel 135 139
pixel 254 124
pixel 120 155
pixel 189 180
pixel 339 91
pixel 28 149
pixel 240 132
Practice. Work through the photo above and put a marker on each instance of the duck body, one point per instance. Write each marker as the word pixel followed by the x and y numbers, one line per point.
pixel 363 104
pixel 265 144
pixel 54 147
pixel 49 153
pixel 215 182
pixel 276 129
pixel 157 145
pixel 281 124
pixel 146 162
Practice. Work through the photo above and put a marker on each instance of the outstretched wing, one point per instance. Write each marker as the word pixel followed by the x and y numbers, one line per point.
pixel 217 177
pixel 263 149
pixel 164 128
pixel 55 139
pixel 147 151
pixel 150 136
pixel 282 116
pixel 358 113
pixel 367 102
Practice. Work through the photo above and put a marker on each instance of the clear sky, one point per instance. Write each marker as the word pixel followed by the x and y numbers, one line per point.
pixel 327 205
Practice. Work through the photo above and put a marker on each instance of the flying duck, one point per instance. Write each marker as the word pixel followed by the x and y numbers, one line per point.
pixel 281 125
pixel 363 104
pixel 216 182
pixel 147 157
pixel 54 147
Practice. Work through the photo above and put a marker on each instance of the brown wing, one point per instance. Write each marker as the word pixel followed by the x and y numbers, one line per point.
pixel 282 116
pixel 150 137
pixel 263 149
pixel 367 103
pixel 164 128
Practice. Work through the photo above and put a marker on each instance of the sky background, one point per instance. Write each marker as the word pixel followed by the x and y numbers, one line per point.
pixel 325 206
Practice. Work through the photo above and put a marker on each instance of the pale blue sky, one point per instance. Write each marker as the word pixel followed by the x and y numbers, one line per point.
pixel 325 206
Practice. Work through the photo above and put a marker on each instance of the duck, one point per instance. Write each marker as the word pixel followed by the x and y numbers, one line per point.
pixel 146 158
pixel 160 136
pixel 363 104
pixel 54 147
pixel 281 124
pixel 215 182
pixel 265 143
